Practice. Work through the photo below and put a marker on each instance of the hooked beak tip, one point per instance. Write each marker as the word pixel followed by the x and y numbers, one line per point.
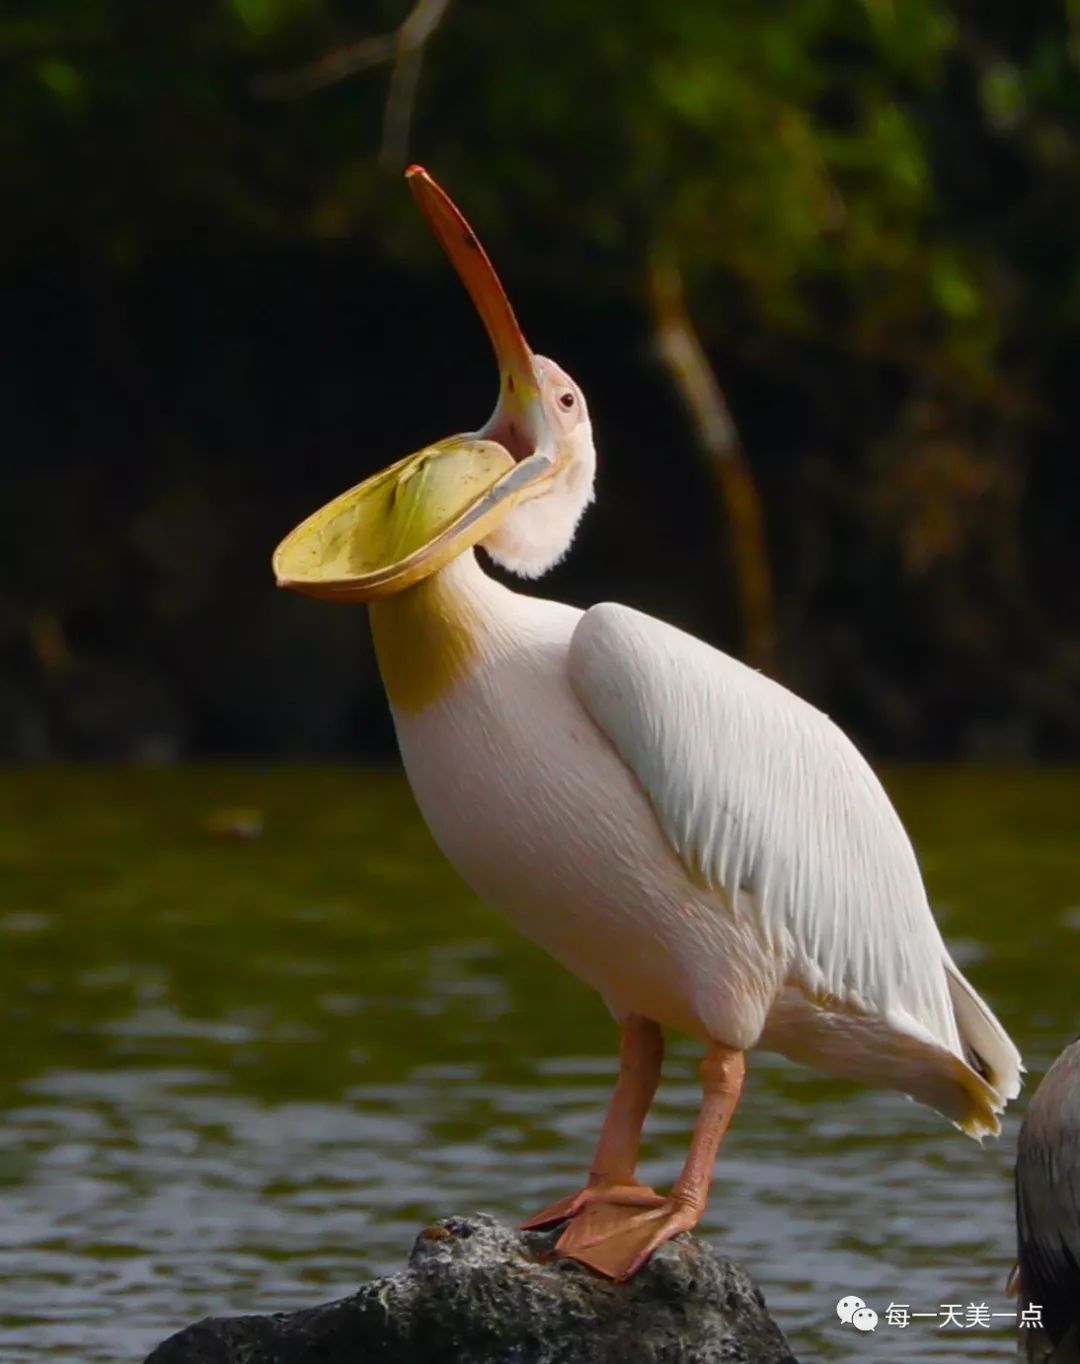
pixel 477 273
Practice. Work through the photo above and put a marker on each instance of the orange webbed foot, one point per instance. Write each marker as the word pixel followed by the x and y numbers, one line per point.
pixel 631 1195
pixel 617 1239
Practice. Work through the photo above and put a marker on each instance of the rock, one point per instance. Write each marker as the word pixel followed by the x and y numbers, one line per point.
pixel 475 1292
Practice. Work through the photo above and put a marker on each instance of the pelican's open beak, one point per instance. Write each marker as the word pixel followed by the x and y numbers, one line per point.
pixel 410 520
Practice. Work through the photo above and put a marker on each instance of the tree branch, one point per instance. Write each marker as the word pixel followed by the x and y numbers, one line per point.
pixel 326 70
pixel 684 356
pixel 404 47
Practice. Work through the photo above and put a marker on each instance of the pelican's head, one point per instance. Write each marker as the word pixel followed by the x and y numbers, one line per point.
pixel 518 486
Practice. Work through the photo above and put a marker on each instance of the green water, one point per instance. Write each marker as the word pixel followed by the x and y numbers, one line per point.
pixel 238 1076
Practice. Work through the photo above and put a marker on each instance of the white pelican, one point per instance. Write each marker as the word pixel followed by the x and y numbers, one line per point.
pixel 699 845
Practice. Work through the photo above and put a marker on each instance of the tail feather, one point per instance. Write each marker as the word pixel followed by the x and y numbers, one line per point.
pixel 973 1103
pixel 988 1049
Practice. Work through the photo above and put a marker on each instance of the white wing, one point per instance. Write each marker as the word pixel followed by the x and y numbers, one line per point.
pixel 760 793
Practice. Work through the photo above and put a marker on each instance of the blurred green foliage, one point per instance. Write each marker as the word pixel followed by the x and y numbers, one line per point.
pixel 873 204
pixel 777 147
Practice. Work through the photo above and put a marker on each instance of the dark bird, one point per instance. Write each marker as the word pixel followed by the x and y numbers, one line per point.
pixel 1048 1212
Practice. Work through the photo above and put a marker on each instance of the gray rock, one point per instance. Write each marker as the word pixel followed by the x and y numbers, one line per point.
pixel 475 1292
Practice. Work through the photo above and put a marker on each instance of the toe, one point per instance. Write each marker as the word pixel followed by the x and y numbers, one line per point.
pixel 617 1240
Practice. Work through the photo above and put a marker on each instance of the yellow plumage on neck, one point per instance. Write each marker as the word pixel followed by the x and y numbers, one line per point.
pixel 425 640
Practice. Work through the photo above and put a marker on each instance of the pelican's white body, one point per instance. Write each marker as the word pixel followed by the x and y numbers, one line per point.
pixel 696 843
pixel 539 814
pixel 706 850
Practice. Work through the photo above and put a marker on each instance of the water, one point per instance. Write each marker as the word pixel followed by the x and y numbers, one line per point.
pixel 238 1076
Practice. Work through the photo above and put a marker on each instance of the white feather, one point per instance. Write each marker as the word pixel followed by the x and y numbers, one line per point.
pixel 765 800
pixel 537 534
pixel 696 843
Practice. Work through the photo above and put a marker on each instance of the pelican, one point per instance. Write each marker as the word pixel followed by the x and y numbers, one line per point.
pixel 1048 1211
pixel 703 848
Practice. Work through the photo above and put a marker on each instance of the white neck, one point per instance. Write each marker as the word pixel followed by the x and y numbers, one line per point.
pixel 536 535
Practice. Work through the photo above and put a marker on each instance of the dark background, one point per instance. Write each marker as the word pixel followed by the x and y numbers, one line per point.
pixel 220 307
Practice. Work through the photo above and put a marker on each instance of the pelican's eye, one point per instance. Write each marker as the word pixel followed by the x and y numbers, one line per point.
pixel 566 401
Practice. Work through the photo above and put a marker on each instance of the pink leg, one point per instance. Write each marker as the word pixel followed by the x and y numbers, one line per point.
pixel 611 1178
pixel 616 1239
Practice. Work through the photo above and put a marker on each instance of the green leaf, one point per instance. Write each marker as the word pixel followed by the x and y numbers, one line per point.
pixel 62 79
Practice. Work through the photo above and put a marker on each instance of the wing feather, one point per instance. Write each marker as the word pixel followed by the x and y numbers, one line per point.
pixel 764 799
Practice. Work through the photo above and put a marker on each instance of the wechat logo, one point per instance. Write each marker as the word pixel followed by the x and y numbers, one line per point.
pixel 852 1311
